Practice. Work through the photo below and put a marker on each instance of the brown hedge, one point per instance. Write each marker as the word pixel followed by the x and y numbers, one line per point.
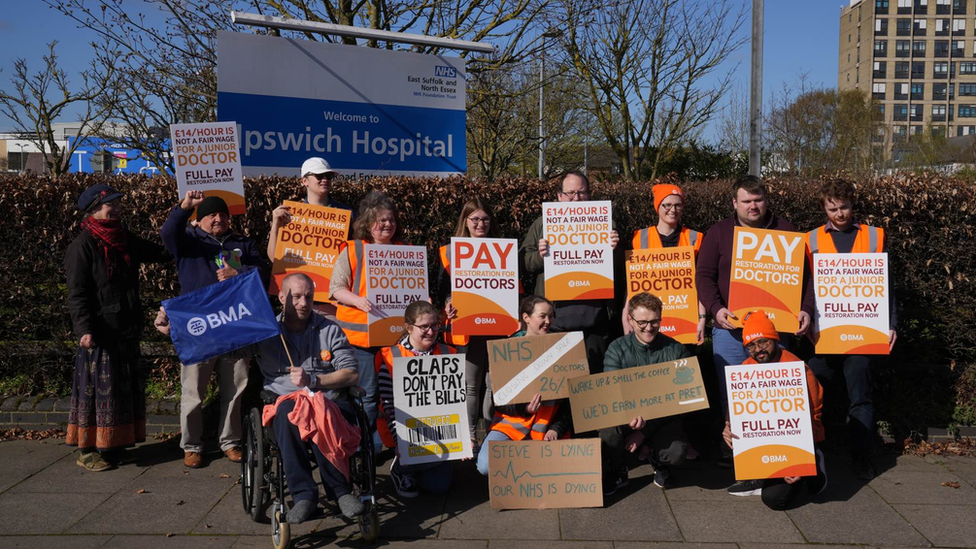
pixel 930 222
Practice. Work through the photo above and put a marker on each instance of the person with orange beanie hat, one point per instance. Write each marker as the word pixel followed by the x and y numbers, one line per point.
pixel 761 341
pixel 669 203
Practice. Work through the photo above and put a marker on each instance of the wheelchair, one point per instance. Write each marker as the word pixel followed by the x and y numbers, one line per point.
pixel 263 476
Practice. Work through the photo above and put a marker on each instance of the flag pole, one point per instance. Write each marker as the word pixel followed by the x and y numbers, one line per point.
pixel 287 352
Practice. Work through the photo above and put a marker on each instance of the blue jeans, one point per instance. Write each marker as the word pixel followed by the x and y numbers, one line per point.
pixel 367 380
pixel 727 350
pixel 483 454
pixel 294 458
pixel 435 477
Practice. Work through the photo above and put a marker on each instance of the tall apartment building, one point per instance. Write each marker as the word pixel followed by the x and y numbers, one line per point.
pixel 917 58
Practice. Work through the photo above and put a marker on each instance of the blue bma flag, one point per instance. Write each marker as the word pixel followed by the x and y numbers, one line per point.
pixel 220 318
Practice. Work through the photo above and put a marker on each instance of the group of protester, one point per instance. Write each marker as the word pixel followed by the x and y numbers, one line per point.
pixel 324 347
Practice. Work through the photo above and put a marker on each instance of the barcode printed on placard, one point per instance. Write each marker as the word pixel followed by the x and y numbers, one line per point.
pixel 423 434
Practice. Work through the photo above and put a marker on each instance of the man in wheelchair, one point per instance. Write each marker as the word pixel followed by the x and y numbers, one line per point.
pixel 324 361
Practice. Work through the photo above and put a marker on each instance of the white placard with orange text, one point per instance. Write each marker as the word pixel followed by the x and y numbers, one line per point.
pixel 767 274
pixel 669 274
pixel 579 264
pixel 396 276
pixel 484 286
pixel 207 158
pixel 852 303
pixel 769 412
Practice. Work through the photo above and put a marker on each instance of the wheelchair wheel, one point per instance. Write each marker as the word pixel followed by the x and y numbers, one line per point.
pixel 369 523
pixel 280 529
pixel 254 489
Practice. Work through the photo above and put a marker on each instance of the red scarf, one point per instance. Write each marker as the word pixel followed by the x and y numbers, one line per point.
pixel 112 239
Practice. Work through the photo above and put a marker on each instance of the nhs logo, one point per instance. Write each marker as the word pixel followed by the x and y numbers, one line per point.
pixel 445 71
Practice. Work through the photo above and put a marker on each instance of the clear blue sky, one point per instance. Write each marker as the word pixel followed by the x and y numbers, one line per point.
pixel 800 37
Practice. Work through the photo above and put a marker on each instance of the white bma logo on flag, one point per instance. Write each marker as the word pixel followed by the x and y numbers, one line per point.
pixel 196 326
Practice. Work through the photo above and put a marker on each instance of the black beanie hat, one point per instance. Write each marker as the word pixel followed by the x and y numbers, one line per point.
pixel 211 204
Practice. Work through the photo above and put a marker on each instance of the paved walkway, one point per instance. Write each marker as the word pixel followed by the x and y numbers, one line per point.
pixel 48 501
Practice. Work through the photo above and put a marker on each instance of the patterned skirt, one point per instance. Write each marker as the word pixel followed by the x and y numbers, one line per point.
pixel 108 398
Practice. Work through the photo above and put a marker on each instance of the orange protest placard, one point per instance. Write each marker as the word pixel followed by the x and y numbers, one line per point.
pixel 767 273
pixel 669 274
pixel 484 285
pixel 309 244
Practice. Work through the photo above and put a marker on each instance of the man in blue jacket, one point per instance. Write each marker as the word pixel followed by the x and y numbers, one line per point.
pixel 206 253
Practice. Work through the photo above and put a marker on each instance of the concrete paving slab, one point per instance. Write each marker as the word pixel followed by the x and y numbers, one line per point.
pixel 26 513
pixel 168 506
pixel 469 516
pixel 228 517
pixel 705 482
pixel 23 458
pixel 845 520
pixel 897 486
pixel 943 525
pixel 962 467
pixel 53 542
pixel 797 546
pixel 671 545
pixel 734 521
pixel 174 542
pixel 636 512
pixel 503 544
pixel 66 476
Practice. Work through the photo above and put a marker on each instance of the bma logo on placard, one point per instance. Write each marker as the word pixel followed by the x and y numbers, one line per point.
pixel 198 325
pixel 445 71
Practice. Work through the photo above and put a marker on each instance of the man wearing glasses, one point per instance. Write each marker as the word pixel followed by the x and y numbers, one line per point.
pixel 661 441
pixel 590 316
pixel 761 340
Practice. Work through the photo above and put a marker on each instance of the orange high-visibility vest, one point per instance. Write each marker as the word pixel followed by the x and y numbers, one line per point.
pixel 447 332
pixel 535 426
pixel 386 356
pixel 868 240
pixel 649 238
pixel 353 321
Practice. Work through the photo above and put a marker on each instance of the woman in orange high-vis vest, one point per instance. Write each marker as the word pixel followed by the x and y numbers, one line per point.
pixel 537 420
pixel 475 221
pixel 669 202
pixel 843 234
pixel 421 324
pixel 376 223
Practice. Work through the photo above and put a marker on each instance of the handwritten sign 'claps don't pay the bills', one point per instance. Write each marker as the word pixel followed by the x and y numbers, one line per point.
pixel 523 366
pixel 431 418
pixel 615 398
pixel 579 264
pixel 535 474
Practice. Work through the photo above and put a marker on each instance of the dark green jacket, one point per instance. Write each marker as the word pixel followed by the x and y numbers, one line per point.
pixel 627 352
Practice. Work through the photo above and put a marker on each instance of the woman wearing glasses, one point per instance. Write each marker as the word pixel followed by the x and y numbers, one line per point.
pixel 669 202
pixel 474 222
pixel 422 325
pixel 537 420
pixel 377 223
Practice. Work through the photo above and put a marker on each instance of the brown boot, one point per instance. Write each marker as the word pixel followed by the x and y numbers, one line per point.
pixel 233 454
pixel 193 460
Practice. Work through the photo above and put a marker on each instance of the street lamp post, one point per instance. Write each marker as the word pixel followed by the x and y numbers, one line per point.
pixel 23 162
pixel 551 33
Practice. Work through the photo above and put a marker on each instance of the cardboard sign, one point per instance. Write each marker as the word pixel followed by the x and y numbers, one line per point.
pixel 484 285
pixel 614 398
pixel 396 276
pixel 431 418
pixel 669 274
pixel 535 474
pixel 310 245
pixel 769 410
pixel 852 304
pixel 767 273
pixel 207 158
pixel 523 366
pixel 580 260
